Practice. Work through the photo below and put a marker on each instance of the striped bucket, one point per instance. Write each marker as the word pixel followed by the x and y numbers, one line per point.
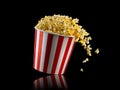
pixel 52 52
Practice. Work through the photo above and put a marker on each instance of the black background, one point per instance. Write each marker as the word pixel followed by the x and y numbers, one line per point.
pixel 98 18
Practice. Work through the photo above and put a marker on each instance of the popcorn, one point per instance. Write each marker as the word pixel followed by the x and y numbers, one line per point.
pixel 97 51
pixel 81 69
pixel 65 25
pixel 86 60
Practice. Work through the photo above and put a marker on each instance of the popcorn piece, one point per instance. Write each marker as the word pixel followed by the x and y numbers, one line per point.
pixel 81 69
pixel 97 51
pixel 86 60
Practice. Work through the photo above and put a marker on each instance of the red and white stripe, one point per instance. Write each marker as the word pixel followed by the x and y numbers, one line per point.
pixel 52 52
pixel 53 81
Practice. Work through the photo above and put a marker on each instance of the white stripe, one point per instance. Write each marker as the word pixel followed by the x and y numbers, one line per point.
pixel 58 81
pixel 52 53
pixel 49 81
pixel 64 81
pixel 62 51
pixel 41 83
pixel 66 61
pixel 35 84
pixel 45 35
pixel 36 53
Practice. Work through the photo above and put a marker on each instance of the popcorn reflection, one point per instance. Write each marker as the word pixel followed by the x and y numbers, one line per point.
pixel 52 81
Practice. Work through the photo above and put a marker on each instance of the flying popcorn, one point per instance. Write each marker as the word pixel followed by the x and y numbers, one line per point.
pixel 97 51
pixel 81 69
pixel 86 60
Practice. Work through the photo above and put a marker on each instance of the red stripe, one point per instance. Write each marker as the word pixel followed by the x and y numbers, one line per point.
pixel 39 50
pixel 54 80
pixel 58 48
pixel 65 54
pixel 38 83
pixel 35 48
pixel 48 49
pixel 61 81
pixel 45 82
pixel 69 57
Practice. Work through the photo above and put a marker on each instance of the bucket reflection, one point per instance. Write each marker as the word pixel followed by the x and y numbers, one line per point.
pixel 50 82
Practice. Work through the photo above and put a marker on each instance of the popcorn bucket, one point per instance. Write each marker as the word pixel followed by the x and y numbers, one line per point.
pixel 52 52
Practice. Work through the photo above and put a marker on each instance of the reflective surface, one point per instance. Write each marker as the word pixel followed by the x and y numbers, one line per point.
pixel 50 82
